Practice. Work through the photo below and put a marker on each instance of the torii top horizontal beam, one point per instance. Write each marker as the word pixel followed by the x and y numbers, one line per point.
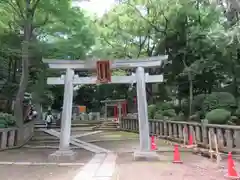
pixel 119 63
pixel 114 80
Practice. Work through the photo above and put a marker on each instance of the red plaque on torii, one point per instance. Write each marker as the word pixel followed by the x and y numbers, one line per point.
pixel 103 71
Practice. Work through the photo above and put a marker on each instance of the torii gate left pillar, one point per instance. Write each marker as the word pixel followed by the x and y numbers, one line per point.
pixel 64 150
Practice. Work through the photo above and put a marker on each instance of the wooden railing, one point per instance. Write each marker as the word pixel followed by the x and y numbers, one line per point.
pixel 228 137
pixel 9 136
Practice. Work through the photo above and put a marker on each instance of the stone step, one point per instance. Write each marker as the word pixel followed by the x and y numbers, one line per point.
pixel 41 138
pixel 73 130
pixel 45 140
pixel 46 146
pixel 114 124
pixel 107 129
pixel 75 124
pixel 40 143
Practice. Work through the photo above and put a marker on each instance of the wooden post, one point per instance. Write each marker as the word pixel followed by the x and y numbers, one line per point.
pixel 218 157
pixel 210 145
pixel 184 136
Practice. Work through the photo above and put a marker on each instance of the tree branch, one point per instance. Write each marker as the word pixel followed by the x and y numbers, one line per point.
pixel 19 10
pixel 141 46
pixel 34 7
pixel 44 22
pixel 149 22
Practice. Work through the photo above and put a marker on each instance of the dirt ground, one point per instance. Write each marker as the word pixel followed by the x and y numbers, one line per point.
pixel 194 167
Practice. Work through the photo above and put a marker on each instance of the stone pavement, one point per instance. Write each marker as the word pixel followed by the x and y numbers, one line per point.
pixel 26 164
pixel 33 164
pixel 194 167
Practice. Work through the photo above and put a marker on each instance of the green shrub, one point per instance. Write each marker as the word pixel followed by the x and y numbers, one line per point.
pixel 234 120
pixel 219 100
pixel 180 117
pixel 3 126
pixel 2 121
pixel 151 111
pixel 237 113
pixel 218 116
pixel 7 119
pixel 159 115
pixel 156 111
pixel 164 106
pixel 169 113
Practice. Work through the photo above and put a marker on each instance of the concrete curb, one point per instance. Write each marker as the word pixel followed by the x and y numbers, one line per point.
pixel 40 163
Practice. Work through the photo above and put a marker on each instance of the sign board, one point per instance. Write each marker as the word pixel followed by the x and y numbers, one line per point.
pixel 82 109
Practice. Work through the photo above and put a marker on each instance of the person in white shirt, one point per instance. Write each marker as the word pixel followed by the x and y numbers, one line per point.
pixel 48 119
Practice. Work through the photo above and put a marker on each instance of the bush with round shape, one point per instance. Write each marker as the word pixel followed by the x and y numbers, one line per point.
pixel 218 116
pixel 219 100
pixel 169 113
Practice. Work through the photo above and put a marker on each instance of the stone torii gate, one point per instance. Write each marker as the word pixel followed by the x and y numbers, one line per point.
pixel 140 78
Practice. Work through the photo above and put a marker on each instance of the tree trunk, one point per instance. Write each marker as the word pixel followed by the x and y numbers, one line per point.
pixel 190 80
pixel 18 108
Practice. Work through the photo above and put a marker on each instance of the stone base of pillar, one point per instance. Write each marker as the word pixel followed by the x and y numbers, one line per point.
pixel 146 156
pixel 63 155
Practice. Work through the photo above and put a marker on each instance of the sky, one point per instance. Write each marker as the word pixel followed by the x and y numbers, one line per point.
pixel 98 7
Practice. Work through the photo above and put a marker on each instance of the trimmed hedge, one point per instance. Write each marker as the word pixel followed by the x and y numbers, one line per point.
pixel 219 100
pixel 218 116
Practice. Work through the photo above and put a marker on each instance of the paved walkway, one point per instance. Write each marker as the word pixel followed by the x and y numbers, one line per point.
pixel 26 164
pixel 194 167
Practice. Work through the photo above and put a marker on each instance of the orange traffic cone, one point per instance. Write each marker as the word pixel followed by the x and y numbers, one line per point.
pixel 176 156
pixel 153 144
pixel 232 174
pixel 190 140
